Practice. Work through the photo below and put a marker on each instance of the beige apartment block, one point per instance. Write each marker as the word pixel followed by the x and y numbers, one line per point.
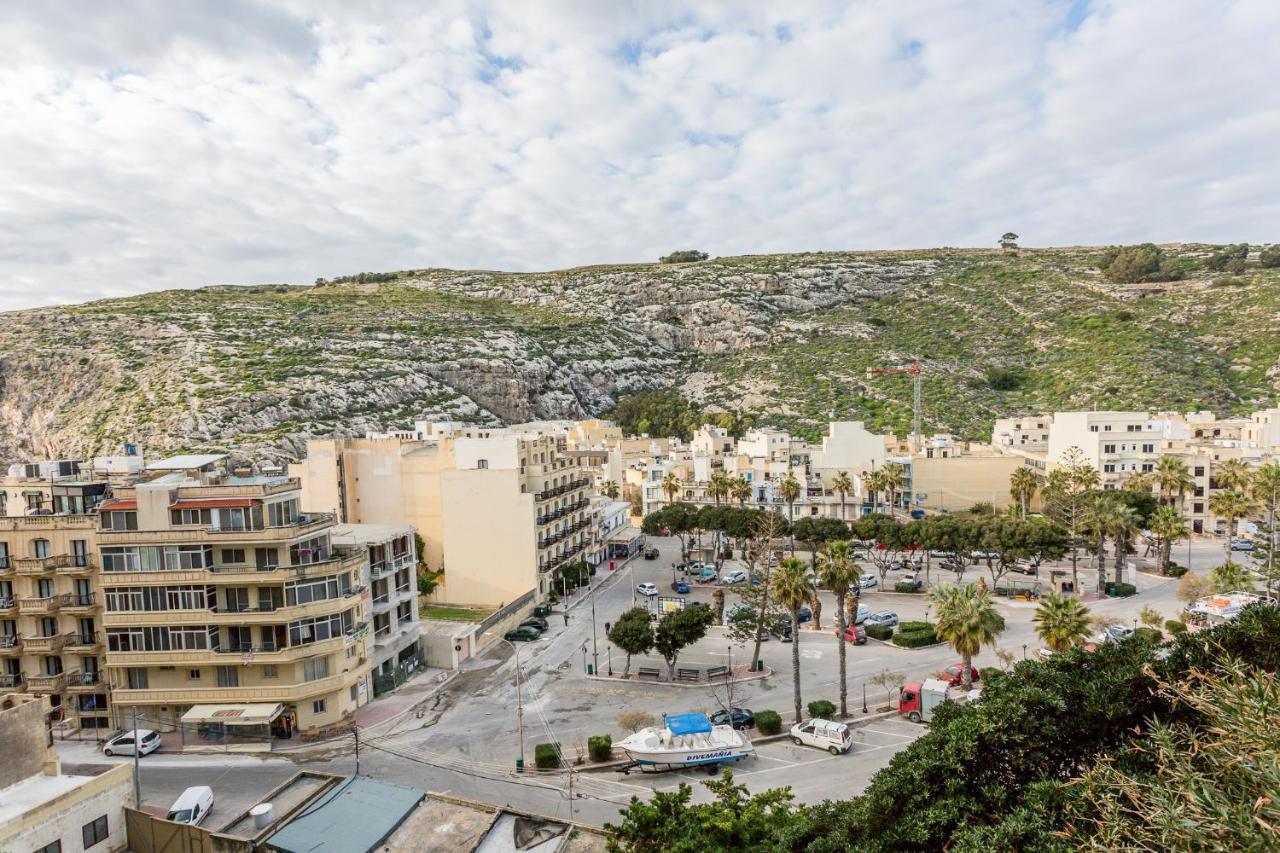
pixel 51 640
pixel 222 599
pixel 498 509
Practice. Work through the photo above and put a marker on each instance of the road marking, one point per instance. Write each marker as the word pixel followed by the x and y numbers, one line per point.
pixel 811 654
pixel 891 734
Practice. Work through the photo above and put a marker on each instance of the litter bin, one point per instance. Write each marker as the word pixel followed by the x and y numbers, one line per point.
pixel 591 670
pixel 519 765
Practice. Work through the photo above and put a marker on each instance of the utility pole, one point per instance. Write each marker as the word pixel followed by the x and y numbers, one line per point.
pixel 571 811
pixel 595 650
pixel 519 709
pixel 137 779
pixel 355 730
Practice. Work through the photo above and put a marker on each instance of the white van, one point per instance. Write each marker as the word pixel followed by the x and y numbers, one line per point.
pixel 835 738
pixel 192 806
pixel 735 576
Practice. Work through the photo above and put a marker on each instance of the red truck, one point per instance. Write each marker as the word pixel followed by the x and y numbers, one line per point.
pixel 918 699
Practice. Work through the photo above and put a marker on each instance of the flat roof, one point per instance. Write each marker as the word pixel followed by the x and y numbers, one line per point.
pixel 246 714
pixel 355 817
pixel 33 792
pixel 624 534
pixel 361 534
pixel 186 462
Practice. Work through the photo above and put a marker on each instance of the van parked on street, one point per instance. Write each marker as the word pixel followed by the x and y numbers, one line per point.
pixel 192 806
pixel 835 738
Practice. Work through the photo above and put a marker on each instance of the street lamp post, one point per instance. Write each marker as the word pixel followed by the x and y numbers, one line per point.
pixel 595 651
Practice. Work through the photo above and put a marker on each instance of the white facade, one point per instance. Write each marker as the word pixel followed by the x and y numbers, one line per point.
pixel 389 579
pixel 848 446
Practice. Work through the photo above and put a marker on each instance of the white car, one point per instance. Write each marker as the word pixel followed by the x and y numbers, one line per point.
pixel 863 612
pixel 868 581
pixel 735 576
pixel 835 738
pixel 647 589
pixel 144 740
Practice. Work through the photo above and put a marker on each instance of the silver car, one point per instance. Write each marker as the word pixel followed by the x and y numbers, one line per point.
pixel 887 618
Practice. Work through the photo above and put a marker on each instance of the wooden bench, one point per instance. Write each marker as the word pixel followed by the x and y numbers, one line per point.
pixel 717 672
pixel 649 671
pixel 688 675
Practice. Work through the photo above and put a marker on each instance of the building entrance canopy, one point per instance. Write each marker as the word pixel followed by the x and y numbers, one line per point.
pixel 233 715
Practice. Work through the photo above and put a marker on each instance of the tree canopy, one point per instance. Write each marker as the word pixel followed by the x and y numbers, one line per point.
pixel 1134 264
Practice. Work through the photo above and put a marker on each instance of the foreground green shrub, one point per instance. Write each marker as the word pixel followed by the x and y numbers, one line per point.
pixel 879 632
pixel 822 709
pixel 903 586
pixel 546 756
pixel 913 637
pixel 769 722
pixel 600 747
pixel 1175 571
pixel 1173 627
pixel 1121 590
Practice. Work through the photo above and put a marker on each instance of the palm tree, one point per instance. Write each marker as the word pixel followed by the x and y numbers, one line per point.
pixel 671 485
pixel 894 477
pixel 1266 491
pixel 740 489
pixel 837 570
pixel 790 490
pixel 792 589
pixel 718 487
pixel 1234 474
pixel 1022 486
pixel 1173 478
pixel 1231 505
pixel 1230 577
pixel 842 485
pixel 967 619
pixel 1122 524
pixel 1140 482
pixel 610 490
pixel 1061 622
pixel 875 483
pixel 717 604
pixel 1168 526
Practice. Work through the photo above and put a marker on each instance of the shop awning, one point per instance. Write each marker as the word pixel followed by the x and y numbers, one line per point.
pixel 624 534
pixel 213 503
pixel 233 715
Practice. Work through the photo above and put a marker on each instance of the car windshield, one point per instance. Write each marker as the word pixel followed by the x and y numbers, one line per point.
pixel 149 738
pixel 182 816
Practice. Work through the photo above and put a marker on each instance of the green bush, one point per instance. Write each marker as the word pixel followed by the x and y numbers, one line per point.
pixel 822 709
pixel 1130 264
pixel 769 722
pixel 600 747
pixel 912 626
pixel 913 635
pixel 1175 571
pixel 903 586
pixel 879 632
pixel 1174 627
pixel 1270 257
pixel 546 756
pixel 1152 635
pixel 1121 590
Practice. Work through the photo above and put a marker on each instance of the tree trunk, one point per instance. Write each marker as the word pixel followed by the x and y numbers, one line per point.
pixel 1102 566
pixel 1122 548
pixel 764 606
pixel 966 677
pixel 844 687
pixel 626 670
pixel 795 659
pixel 671 671
pixel 817 611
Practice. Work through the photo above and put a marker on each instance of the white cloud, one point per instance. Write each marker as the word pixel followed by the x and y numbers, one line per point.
pixel 165 144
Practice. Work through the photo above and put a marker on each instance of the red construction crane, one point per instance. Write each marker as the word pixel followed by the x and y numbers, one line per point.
pixel 914 370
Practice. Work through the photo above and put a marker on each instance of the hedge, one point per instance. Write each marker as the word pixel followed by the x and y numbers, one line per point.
pixel 546 756
pixel 769 722
pixel 903 586
pixel 1121 590
pixel 1174 627
pixel 600 747
pixel 822 709
pixel 1175 571
pixel 1154 635
pixel 879 632
pixel 913 626
pixel 913 635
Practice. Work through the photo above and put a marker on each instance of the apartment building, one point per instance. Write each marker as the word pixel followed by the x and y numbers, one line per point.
pixel 51 640
pixel 226 605
pixel 498 509
pixel 389 574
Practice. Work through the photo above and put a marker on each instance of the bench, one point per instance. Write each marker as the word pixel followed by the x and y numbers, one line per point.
pixel 649 671
pixel 687 675
pixel 717 672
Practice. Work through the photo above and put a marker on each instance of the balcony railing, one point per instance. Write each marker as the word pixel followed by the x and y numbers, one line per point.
pixel 47 683
pixel 78 564
pixel 83 641
pixel 10 680
pixel 39 605
pixel 77 679
pixel 41 565
pixel 10 642
pixel 8 602
pixel 49 645
pixel 76 600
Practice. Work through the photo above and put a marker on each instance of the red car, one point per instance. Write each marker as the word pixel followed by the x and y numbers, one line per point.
pixel 955 673
pixel 853 634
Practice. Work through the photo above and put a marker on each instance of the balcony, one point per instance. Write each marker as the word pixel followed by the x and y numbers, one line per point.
pixel 83 643
pixel 226 615
pixel 38 606
pixel 282 693
pixel 11 681
pixel 240 575
pixel 77 566
pixel 241 654
pixel 47 683
pixel 51 645
pixel 8 603
pixel 10 645
pixel 39 565
pixel 86 682
pixel 76 602
pixel 306 524
pixel 6 567
pixel 382 604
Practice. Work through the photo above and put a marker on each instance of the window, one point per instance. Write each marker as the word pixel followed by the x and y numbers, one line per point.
pixel 228 676
pixel 320 628
pixel 1093 428
pixel 269 671
pixel 312 550
pixel 136 678
pixel 4 555
pixel 316 589
pixel 94 832
pixel 315 669
pixel 193 674
pixel 1147 467
pixel 51 847
pixel 282 513
pixel 1108 448
pixel 1106 428
pixel 120 520
pixel 482 464
pixel 355 694
pixel 1148 448
pixel 1197 507
pixel 193 517
pixel 317 707
pixel 41 548
pixel 233 555
pixel 1109 468
pixel 404 611
pixel 1199 471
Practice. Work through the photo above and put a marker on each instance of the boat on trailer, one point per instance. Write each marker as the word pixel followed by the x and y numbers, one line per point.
pixel 686 740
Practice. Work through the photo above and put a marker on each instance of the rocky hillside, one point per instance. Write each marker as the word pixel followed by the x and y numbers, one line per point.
pixel 258 369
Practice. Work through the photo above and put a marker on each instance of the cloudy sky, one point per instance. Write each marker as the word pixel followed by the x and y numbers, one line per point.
pixel 146 145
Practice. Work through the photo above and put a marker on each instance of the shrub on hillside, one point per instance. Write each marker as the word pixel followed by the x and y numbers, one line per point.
pixel 1133 264
pixel 822 709
pixel 546 756
pixel 600 747
pixel 1270 257
pixel 1151 635
pixel 1229 258
pixel 768 722
pixel 683 256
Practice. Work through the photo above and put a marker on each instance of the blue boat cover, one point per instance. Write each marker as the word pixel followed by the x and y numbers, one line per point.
pixel 688 724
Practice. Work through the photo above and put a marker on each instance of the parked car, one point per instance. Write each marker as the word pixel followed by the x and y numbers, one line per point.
pixel 784 632
pixel 144 741
pixel 1115 633
pixel 855 634
pixel 697 566
pixel 952 566
pixel 522 634
pixel 740 718
pixel 912 578
pixel 955 673
pixel 805 614
pixel 1027 567
pixel 1242 545
pixel 732 612
pixel 887 618
pixel 647 588
pixel 734 576
pixel 192 806
pixel 861 616
pixel 536 622
pixel 985 555
pixel 835 738
pixel 542 610
pixel 707 574
pixel 680 587
pixel 868 582
pixel 651 553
